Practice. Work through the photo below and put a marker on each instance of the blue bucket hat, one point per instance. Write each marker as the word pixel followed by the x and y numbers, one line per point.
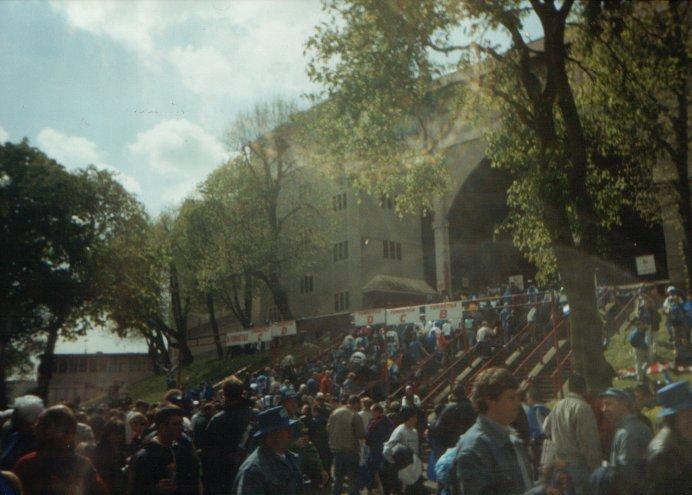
pixel 272 419
pixel 618 394
pixel 674 398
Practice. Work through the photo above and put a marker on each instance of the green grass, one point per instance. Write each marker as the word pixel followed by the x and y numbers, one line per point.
pixel 620 355
pixel 209 368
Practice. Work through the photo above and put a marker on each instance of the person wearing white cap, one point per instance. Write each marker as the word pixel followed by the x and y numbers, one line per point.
pixel 675 321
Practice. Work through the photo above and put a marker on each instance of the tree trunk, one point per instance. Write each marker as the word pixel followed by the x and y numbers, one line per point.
pixel 3 382
pixel 214 325
pixel 280 297
pixel 586 326
pixel 45 368
pixel 186 357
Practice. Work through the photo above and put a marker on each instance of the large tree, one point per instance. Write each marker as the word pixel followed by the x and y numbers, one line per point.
pixel 270 204
pixel 56 228
pixel 400 77
pixel 634 59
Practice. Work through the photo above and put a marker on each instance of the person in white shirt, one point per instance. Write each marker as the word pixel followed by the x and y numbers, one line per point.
pixel 410 399
pixel 447 329
pixel 484 332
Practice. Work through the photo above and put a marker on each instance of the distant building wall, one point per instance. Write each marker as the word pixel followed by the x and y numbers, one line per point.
pixel 86 376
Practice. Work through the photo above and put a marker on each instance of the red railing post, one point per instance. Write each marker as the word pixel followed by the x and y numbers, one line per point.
pixel 556 340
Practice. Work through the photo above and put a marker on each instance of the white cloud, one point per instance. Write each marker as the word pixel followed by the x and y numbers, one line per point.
pixel 179 148
pixel 249 50
pixel 132 24
pixel 79 152
pixel 203 70
pixel 3 135
pixel 73 151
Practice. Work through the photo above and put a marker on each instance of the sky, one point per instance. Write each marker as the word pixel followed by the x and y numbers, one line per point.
pixel 145 89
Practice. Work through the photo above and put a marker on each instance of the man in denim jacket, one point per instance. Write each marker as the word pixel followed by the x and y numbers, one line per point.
pixel 492 460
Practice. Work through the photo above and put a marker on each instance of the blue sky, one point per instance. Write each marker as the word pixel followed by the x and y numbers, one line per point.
pixel 146 89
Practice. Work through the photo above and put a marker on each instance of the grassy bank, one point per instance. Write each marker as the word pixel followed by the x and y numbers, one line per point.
pixel 204 368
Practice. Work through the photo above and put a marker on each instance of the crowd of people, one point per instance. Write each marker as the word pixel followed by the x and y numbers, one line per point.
pixel 333 424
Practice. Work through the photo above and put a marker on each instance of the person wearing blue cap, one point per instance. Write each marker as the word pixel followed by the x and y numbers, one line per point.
pixel 628 450
pixel 669 454
pixel 271 468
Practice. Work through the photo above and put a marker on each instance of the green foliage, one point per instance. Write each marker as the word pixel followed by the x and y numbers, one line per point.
pixel 263 212
pixel 57 233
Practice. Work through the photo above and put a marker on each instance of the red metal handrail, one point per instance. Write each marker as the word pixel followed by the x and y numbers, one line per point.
pixel 557 374
pixel 450 372
pixel 414 369
pixel 549 335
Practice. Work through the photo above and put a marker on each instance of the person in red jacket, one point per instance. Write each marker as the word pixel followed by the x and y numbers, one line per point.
pixel 55 468
pixel 326 383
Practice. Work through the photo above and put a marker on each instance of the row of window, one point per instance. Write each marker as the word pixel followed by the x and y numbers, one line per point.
pixel 341 251
pixel 386 203
pixel 339 202
pixel 92 366
pixel 306 284
pixel 391 250
pixel 341 302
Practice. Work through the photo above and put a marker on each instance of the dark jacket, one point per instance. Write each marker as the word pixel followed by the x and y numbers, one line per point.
pixel 109 462
pixel 378 432
pixel 265 473
pixel 223 447
pixel 669 464
pixel 155 462
pixel 453 421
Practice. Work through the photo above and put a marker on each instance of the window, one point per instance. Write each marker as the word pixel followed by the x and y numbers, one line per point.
pixel 72 365
pixel 134 365
pixel 83 365
pixel 391 250
pixel 341 251
pixel 339 202
pixel 306 236
pixel 93 365
pixel 306 284
pixel 62 366
pixel 273 314
pixel 341 301
pixel 386 203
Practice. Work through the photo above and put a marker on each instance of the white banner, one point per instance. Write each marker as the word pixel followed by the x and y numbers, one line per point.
pixel 250 336
pixel 451 311
pixel 399 316
pixel 261 334
pixel 283 328
pixel 238 338
pixel 369 317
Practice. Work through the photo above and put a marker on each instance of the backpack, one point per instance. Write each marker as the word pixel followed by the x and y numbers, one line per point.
pixel 676 316
pixel 637 339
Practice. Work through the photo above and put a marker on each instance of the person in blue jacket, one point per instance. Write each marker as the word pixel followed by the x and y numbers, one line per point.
pixel 271 468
